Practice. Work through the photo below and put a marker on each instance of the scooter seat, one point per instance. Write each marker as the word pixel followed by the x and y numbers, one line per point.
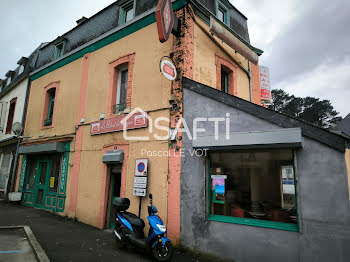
pixel 133 219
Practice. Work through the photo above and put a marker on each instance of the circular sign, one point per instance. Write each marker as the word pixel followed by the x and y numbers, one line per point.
pixel 168 69
pixel 141 167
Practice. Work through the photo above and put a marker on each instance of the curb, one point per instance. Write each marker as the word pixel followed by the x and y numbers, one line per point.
pixel 38 251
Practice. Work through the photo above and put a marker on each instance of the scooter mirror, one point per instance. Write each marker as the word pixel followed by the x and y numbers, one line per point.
pixel 150 196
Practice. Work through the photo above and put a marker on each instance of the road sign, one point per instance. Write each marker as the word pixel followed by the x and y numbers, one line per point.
pixel 165 19
pixel 141 167
pixel 140 182
pixel 139 192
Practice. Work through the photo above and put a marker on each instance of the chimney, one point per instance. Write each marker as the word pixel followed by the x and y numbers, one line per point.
pixel 81 20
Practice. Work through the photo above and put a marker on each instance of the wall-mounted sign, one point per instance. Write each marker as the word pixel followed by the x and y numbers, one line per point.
pixel 265 88
pixel 141 167
pixel 229 38
pixel 168 69
pixel 165 19
pixel 131 121
pixel 140 179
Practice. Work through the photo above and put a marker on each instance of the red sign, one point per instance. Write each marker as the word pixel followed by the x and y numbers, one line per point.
pixel 165 19
pixel 137 120
pixel 169 70
pixel 264 75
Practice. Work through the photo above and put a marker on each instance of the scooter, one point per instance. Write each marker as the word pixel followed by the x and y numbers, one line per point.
pixel 129 230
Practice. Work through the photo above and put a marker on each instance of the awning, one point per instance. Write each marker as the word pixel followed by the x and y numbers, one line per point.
pixel 280 138
pixel 113 157
pixel 56 147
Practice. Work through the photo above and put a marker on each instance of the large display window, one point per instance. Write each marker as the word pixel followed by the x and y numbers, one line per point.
pixel 254 187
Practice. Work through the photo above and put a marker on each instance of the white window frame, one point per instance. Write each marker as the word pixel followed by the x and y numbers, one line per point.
pixel 21 69
pixel 8 81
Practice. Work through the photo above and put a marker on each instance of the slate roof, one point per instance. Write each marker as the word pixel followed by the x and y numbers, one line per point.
pixel 321 135
pixel 344 125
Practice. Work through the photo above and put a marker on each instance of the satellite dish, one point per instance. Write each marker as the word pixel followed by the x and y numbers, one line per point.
pixel 17 128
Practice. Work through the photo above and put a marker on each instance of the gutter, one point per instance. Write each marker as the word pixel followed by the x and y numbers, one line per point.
pixel 250 83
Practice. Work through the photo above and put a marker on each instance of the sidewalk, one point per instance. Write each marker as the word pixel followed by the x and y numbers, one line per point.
pixel 67 240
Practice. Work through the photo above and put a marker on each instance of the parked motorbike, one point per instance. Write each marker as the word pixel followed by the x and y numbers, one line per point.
pixel 129 230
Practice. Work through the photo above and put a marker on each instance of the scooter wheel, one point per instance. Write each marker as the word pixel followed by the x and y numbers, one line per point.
pixel 121 243
pixel 162 253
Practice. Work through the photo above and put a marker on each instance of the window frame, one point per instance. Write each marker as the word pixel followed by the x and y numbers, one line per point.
pixel 8 129
pixel 8 80
pixel 125 61
pixel 219 5
pixel 46 103
pixel 250 221
pixel 124 7
pixel 231 69
pixel 60 53
pixel 21 69
pixel 120 70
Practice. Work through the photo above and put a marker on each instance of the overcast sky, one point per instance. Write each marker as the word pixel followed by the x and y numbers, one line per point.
pixel 306 43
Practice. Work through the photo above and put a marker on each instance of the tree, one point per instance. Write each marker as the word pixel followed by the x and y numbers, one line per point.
pixel 310 109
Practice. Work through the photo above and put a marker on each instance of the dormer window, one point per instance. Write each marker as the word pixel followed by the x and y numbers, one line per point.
pixel 8 81
pixel 59 49
pixel 22 62
pixel 126 11
pixel 21 69
pixel 9 75
pixel 222 13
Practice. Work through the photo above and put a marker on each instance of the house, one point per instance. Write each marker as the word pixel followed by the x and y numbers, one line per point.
pixel 269 188
pixel 74 158
pixel 13 96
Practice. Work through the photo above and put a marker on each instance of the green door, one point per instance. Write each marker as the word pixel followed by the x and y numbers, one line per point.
pixel 42 177
pixel 115 186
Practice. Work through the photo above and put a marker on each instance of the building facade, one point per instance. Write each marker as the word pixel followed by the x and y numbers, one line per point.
pixel 13 92
pixel 74 156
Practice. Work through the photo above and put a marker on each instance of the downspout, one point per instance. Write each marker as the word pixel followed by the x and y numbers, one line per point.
pixel 250 82
pixel 15 169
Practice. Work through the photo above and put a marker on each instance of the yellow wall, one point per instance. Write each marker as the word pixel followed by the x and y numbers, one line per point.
pixel 205 51
pixel 150 91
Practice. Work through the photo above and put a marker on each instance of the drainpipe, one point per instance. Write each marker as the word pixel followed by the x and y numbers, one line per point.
pixel 15 169
pixel 250 83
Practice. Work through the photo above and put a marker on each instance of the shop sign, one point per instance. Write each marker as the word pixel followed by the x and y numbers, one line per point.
pixel 229 38
pixel 168 69
pixel 265 88
pixel 131 121
pixel 165 19
pixel 63 178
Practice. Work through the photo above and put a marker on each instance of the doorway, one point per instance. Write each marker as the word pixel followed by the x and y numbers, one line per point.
pixel 115 184
pixel 41 182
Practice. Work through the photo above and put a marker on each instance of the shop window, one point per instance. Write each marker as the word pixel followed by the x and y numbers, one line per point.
pixel 11 116
pixel 55 172
pixel 126 11
pixel 59 49
pixel 5 167
pixel 120 85
pixel 226 74
pixel 254 187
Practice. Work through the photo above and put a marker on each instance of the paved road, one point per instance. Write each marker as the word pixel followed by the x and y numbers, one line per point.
pixel 67 240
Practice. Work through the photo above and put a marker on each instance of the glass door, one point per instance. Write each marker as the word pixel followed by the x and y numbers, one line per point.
pixel 41 182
